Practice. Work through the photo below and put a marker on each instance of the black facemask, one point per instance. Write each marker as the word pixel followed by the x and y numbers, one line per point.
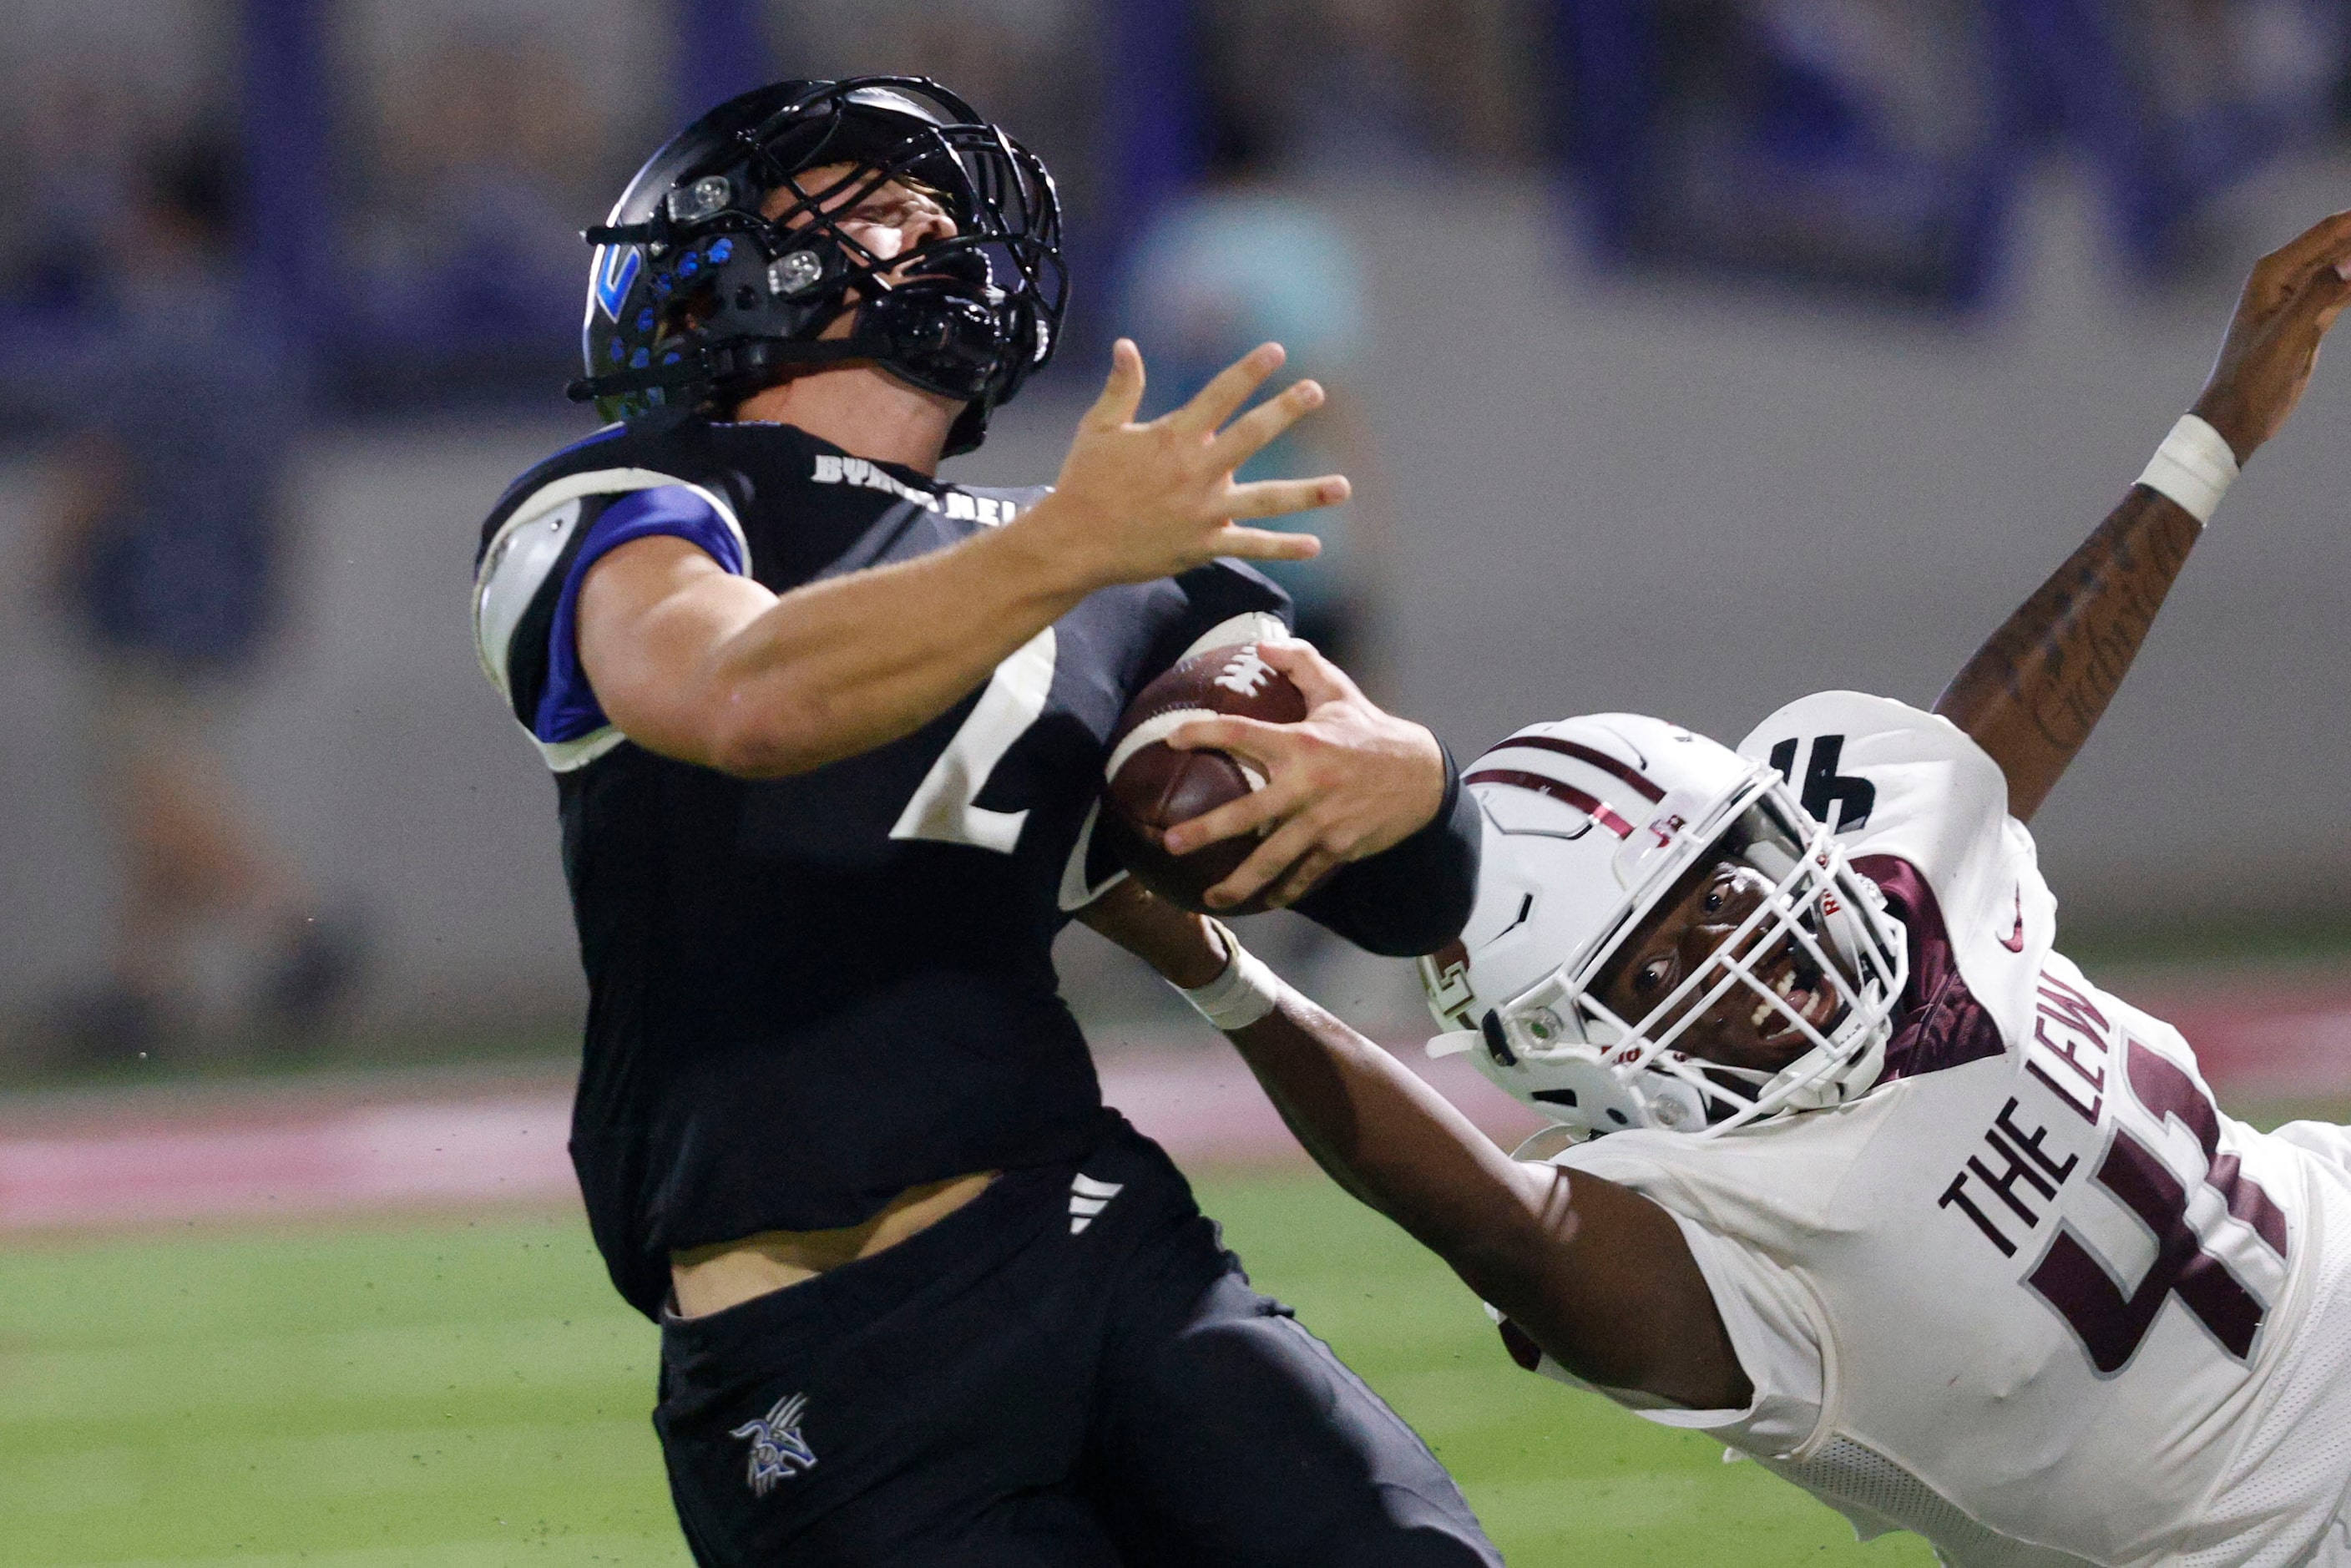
pixel 697 302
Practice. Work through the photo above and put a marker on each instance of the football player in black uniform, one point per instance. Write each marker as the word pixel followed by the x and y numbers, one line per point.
pixel 827 733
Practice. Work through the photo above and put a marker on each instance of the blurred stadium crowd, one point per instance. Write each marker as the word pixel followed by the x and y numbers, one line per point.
pixel 225 222
pixel 413 174
pixel 440 158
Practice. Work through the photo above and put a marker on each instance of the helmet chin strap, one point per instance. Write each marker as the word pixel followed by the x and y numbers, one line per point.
pixel 755 355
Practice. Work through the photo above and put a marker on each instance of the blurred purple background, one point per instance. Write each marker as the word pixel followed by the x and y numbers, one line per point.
pixel 1693 354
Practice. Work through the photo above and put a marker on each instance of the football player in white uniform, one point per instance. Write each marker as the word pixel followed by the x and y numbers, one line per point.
pixel 1860 1175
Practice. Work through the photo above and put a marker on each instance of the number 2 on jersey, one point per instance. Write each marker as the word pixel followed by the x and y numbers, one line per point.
pixel 942 809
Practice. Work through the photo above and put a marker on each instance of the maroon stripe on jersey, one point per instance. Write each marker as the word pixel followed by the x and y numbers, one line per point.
pixel 1942 1025
pixel 2164 1087
pixel 2113 1323
pixel 1649 790
pixel 2248 1202
pixel 1599 811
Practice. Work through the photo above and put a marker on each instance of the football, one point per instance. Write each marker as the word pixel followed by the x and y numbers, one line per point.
pixel 1148 786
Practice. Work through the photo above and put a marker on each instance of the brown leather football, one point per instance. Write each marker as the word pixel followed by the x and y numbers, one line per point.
pixel 1149 786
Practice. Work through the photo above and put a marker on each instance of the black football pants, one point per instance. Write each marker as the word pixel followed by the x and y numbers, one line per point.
pixel 1069 1372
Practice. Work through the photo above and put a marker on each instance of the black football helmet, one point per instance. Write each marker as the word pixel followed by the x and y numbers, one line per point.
pixel 695 300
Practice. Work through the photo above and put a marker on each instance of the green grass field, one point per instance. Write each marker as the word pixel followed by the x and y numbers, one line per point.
pixel 469 1394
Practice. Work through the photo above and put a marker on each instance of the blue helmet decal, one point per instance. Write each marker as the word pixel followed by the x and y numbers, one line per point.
pixel 617 269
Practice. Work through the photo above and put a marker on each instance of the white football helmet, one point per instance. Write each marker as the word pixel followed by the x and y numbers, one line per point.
pixel 1589 823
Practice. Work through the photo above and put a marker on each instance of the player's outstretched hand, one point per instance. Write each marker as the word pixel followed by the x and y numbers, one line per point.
pixel 1136 501
pixel 2291 299
pixel 1178 944
pixel 1347 781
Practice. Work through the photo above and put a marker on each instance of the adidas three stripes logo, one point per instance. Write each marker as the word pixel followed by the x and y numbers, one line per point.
pixel 1089 1197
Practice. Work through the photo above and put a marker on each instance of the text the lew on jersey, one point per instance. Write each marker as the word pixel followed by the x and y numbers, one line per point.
pixel 2022 1175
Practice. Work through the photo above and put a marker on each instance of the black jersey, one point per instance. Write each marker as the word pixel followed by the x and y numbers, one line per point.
pixel 808 994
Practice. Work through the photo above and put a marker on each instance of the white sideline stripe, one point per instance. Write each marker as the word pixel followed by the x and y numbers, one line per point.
pixel 146 1156
pixel 498 1150
pixel 141 1157
pixel 1087 1204
pixel 1093 1188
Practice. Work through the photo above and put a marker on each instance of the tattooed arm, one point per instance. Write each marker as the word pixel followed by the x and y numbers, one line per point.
pixel 2033 692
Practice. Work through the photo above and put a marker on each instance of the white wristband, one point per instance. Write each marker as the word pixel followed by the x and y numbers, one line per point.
pixel 2194 467
pixel 1243 994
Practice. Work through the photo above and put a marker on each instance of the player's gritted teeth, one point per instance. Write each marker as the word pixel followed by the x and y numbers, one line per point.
pixel 1749 1028
pixel 1743 1026
pixel 1798 984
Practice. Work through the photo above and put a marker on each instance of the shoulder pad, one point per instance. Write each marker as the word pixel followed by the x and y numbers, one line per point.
pixel 520 577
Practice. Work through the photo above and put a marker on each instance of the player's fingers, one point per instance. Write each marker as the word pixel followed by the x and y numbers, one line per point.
pixel 1263 544
pixel 1217 402
pixel 1303 877
pixel 2323 247
pixel 1254 739
pixel 1121 393
pixel 2322 241
pixel 1254 812
pixel 1280 497
pixel 1282 848
pixel 2318 296
pixel 1316 677
pixel 1281 795
pixel 1245 436
pixel 2293 331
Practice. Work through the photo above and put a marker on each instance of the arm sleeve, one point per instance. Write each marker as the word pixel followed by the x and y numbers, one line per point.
pixel 1413 898
pixel 568 708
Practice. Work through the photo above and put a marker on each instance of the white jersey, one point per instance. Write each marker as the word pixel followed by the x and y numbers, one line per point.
pixel 2034 1297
